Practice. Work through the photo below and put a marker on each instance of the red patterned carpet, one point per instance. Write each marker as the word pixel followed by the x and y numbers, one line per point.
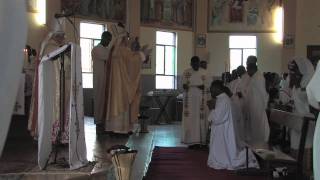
pixel 181 163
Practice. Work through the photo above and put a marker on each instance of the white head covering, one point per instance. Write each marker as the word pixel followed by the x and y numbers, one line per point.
pixel 306 69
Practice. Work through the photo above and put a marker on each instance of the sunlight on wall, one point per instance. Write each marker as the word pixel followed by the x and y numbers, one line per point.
pixel 278 25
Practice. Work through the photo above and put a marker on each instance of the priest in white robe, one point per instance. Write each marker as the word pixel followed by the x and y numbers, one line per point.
pixel 100 57
pixel 313 92
pixel 194 124
pixel 256 102
pixel 225 153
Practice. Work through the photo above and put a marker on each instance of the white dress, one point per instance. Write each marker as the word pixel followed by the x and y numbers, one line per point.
pixel 224 151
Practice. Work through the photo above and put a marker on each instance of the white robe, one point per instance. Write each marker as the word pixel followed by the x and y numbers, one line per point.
pixel 234 86
pixel 194 124
pixel 13 35
pixel 100 56
pixel 301 106
pixel 256 102
pixel 224 151
pixel 313 91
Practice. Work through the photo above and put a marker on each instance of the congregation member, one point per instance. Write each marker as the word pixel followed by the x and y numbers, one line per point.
pixel 234 84
pixel 256 102
pixel 194 123
pixel 313 93
pixel 225 152
pixel 301 71
pixel 123 89
pixel 101 70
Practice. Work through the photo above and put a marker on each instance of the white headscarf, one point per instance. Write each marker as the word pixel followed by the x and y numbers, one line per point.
pixel 306 69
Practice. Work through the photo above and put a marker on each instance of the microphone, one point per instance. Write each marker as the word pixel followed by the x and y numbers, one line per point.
pixel 63 15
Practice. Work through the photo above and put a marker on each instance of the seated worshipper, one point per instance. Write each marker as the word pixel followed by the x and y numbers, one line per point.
pixel 101 69
pixel 224 152
pixel 300 73
pixel 194 124
pixel 123 91
pixel 314 100
pixel 256 102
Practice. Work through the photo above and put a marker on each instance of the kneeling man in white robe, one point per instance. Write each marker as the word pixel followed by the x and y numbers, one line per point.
pixel 224 152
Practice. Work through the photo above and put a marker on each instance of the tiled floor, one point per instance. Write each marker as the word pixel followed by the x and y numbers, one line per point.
pixel 161 135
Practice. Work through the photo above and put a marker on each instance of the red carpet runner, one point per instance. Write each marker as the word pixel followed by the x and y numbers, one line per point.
pixel 181 163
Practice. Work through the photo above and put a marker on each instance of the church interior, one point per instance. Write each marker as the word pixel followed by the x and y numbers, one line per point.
pixel 166 67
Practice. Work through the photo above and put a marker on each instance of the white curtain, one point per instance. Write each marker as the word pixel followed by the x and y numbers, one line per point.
pixel 13 34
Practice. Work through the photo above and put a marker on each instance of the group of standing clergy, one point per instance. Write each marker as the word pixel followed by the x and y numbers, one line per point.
pixel 116 82
pixel 235 113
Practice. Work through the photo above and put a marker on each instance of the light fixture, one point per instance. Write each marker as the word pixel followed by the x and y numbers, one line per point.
pixel 278 23
pixel 41 12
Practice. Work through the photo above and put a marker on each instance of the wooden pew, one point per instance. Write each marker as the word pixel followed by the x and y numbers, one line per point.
pixel 275 158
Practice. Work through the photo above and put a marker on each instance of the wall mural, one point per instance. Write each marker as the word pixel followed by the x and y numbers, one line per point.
pixel 167 13
pixel 241 15
pixel 112 10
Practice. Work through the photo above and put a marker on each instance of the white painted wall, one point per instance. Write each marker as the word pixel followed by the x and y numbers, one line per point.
pixel 268 52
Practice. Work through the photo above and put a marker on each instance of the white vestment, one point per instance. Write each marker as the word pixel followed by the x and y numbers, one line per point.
pixel 47 111
pixel 313 91
pixel 256 102
pixel 224 151
pixel 194 124
pixel 13 35
pixel 100 55
pixel 300 100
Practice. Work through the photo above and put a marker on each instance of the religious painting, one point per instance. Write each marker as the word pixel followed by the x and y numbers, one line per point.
pixel 242 15
pixel 313 54
pixel 111 10
pixel 201 41
pixel 288 41
pixel 174 14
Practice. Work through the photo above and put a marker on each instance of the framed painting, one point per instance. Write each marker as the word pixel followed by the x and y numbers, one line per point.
pixel 111 10
pixel 173 14
pixel 242 15
pixel 201 41
pixel 313 54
